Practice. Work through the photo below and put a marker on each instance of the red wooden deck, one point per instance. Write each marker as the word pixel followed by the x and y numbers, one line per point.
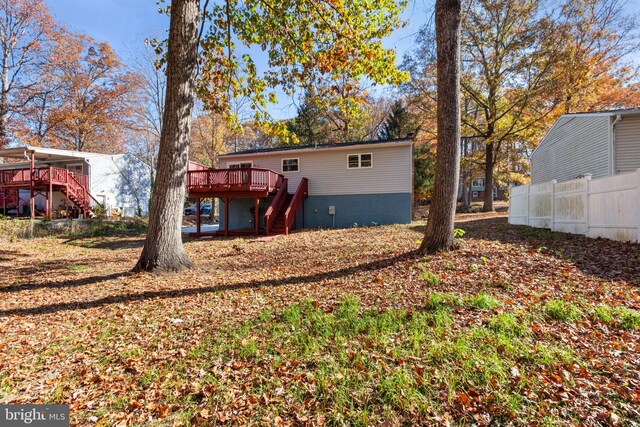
pixel 254 183
pixel 20 178
pixel 221 183
pixel 47 179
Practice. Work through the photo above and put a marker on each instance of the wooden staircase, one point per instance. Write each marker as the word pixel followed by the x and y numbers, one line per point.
pixel 76 190
pixel 280 224
pixel 79 198
pixel 280 217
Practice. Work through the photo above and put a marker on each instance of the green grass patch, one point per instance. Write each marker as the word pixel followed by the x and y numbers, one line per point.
pixel 360 366
pixel 443 300
pixel 620 317
pixel 562 311
pixel 429 277
pixel 79 267
pixel 483 301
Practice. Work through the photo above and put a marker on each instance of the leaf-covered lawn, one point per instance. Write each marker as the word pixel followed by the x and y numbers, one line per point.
pixel 520 326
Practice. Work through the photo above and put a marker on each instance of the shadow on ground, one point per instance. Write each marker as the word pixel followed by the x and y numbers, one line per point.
pixel 178 293
pixel 109 244
pixel 607 259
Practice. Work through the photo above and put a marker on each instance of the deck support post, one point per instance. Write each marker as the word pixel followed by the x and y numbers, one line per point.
pixel 198 216
pixel 66 195
pixel 256 206
pixel 32 203
pixel 226 216
pixel 4 202
pixel 66 203
pixel 50 198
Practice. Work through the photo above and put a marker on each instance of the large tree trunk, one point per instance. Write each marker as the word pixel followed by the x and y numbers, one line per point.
pixel 439 232
pixel 4 133
pixel 488 178
pixel 466 176
pixel 163 247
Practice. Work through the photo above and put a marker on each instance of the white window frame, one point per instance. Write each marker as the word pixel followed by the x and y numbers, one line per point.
pixel 495 192
pixel 477 182
pixel 297 159
pixel 475 194
pixel 359 161
pixel 238 165
pixel 74 166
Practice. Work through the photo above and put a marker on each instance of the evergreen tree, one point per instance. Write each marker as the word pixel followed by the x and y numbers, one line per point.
pixel 309 125
pixel 423 171
pixel 399 124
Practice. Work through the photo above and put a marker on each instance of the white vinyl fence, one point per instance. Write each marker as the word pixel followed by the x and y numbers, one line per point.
pixel 605 207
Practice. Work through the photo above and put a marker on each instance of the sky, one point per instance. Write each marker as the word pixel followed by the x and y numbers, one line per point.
pixel 125 24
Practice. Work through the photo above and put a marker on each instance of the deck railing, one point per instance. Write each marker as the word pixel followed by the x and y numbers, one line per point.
pixel 234 179
pixel 42 175
pixel 276 206
pixel 77 183
pixel 296 202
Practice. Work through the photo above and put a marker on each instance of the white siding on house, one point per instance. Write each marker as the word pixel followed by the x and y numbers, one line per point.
pixel 327 169
pixel 576 145
pixel 120 181
pixel 627 144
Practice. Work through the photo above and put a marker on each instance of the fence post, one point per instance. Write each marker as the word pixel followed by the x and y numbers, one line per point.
pixel 510 203
pixel 587 185
pixel 638 206
pixel 553 204
pixel 528 203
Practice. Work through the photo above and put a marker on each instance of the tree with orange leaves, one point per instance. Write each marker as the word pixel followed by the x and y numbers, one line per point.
pixel 26 33
pixel 84 99
pixel 98 103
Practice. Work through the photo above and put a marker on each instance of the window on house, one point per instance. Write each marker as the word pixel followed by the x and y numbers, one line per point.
pixel 290 165
pixel 364 160
pixel 478 182
pixel 240 165
pixel 495 193
pixel 475 194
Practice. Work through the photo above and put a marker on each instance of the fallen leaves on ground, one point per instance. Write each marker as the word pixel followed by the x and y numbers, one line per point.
pixel 134 349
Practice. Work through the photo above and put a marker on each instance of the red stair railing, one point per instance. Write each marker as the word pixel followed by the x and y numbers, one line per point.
pixel 298 199
pixel 276 206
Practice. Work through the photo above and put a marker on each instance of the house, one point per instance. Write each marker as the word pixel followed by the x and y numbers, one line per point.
pixel 585 177
pixel 597 144
pixel 52 183
pixel 272 191
pixel 476 190
pixel 471 184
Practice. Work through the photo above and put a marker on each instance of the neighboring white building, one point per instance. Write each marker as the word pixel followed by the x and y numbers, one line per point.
pixel 118 181
pixel 597 144
pixel 585 177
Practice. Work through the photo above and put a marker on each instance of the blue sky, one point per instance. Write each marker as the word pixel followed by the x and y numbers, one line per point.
pixel 126 23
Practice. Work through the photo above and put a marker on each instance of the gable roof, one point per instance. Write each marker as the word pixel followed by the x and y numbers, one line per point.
pixel 621 111
pixel 567 117
pixel 322 147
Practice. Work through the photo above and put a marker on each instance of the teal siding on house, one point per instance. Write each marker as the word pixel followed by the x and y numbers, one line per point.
pixel 240 213
pixel 360 209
